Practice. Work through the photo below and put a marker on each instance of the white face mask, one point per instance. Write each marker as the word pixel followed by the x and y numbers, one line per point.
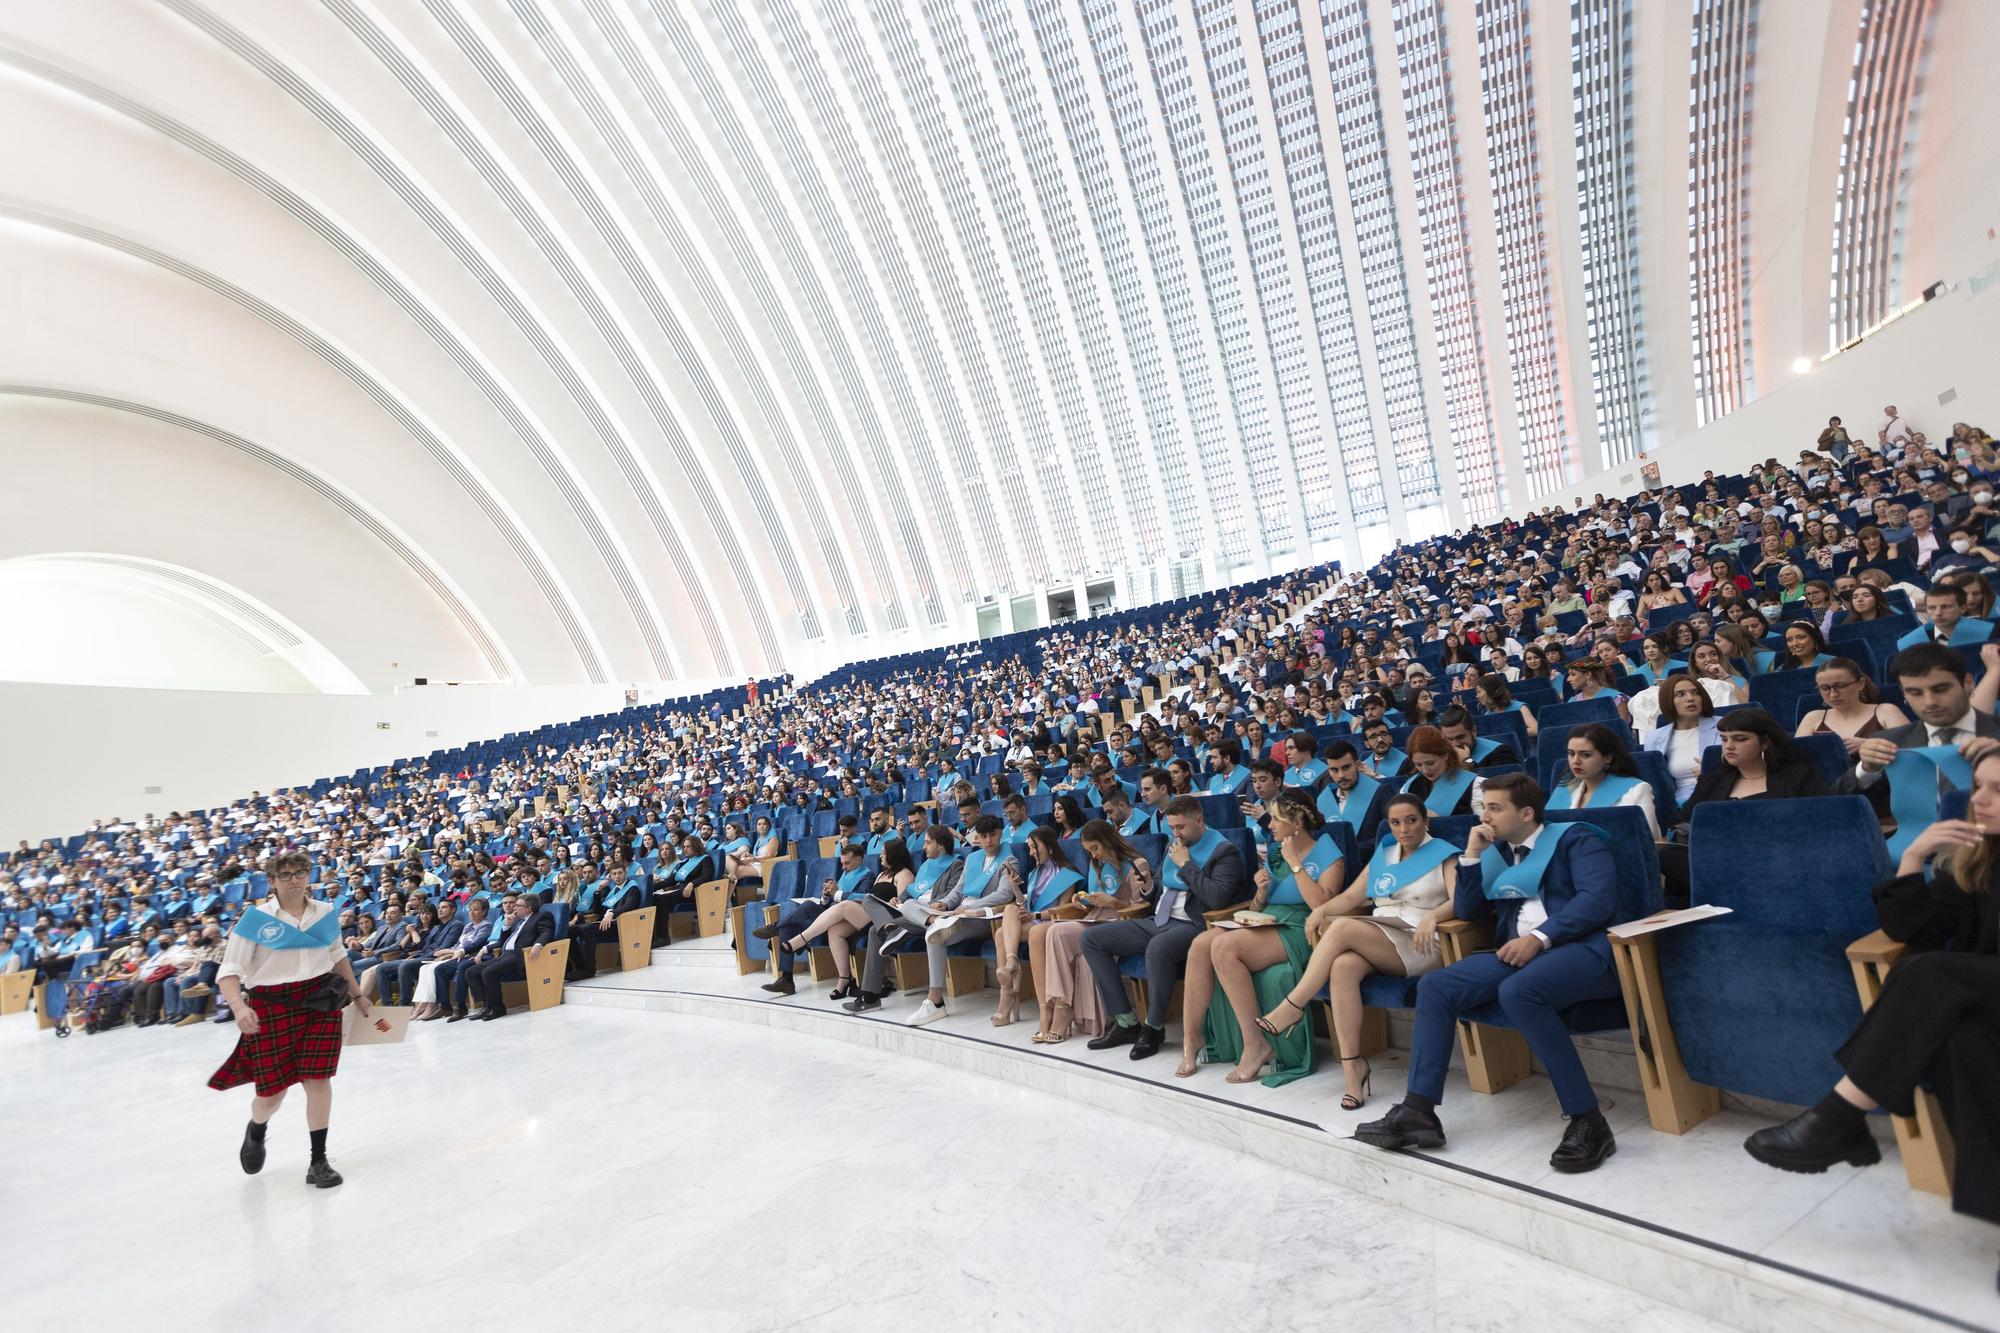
pixel 1771 612
pixel 1982 497
pixel 1961 544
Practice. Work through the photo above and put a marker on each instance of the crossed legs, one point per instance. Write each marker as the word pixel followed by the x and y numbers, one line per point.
pixel 1350 950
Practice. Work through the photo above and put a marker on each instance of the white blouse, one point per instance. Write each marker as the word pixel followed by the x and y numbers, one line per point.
pixel 1408 905
pixel 254 965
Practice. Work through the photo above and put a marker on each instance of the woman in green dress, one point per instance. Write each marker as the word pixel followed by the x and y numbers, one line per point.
pixel 1257 966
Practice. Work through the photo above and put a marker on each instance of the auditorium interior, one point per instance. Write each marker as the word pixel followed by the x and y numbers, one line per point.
pixel 1002 664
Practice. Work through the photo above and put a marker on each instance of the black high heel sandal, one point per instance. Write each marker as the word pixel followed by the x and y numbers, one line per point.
pixel 1264 1024
pixel 1355 1101
pixel 845 989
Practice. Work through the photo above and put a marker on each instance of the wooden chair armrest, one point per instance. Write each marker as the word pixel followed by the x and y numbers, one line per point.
pixel 1135 911
pixel 1224 913
pixel 1878 949
pixel 1460 938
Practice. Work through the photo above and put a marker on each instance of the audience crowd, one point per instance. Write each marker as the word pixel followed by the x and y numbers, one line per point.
pixel 1816 627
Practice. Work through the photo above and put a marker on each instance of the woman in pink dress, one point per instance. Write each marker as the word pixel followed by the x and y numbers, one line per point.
pixel 1117 878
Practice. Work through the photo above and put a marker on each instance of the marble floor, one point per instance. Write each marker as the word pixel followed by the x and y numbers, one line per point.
pixel 588 1167
pixel 1864 1229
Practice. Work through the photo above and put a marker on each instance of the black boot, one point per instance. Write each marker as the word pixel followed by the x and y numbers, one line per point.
pixel 784 985
pixel 252 1152
pixel 1815 1139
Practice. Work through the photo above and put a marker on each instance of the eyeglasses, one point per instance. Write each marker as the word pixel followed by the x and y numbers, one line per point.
pixel 1834 686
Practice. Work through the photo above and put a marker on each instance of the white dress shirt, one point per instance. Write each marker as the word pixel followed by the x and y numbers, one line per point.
pixel 1532 911
pixel 254 965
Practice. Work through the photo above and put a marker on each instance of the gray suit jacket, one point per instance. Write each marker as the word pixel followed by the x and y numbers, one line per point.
pixel 1914 736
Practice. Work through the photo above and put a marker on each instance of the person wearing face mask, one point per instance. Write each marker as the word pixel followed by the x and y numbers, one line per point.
pixel 1966 552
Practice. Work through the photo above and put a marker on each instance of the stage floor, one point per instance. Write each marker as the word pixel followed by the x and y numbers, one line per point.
pixel 600 1166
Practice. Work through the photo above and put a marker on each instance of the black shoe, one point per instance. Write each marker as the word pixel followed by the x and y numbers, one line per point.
pixel 458 1016
pixel 252 1154
pixel 1812 1141
pixel 1404 1127
pixel 843 990
pixel 784 985
pixel 1118 1034
pixel 866 1002
pixel 1149 1042
pixel 488 1015
pixel 766 932
pixel 322 1174
pixel 1585 1144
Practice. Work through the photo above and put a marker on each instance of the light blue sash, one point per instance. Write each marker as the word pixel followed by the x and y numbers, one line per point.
pixel 1012 835
pixel 1054 887
pixel 1228 784
pixel 1141 820
pixel 1386 879
pixel 1358 800
pixel 269 932
pixel 1304 775
pixel 1285 886
pixel 769 845
pixel 978 874
pixel 1913 788
pixel 1523 879
pixel 1170 873
pixel 853 883
pixel 1964 634
pixel 1481 747
pixel 1608 791
pixel 1389 762
pixel 1653 676
pixel 1446 791
pixel 928 874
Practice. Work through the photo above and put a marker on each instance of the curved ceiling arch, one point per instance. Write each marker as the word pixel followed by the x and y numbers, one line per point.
pixel 461 349
pixel 392 403
pixel 405 548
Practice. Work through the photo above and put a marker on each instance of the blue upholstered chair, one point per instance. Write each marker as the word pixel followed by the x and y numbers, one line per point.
pixel 1757 1001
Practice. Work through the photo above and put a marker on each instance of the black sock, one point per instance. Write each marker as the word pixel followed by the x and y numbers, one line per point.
pixel 319 1145
pixel 257 1128
pixel 1839 1110
pixel 1416 1101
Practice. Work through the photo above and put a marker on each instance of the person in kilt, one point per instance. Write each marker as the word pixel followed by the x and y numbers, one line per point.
pixel 285 978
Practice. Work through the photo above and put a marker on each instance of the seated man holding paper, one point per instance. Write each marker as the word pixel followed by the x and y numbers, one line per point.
pixel 1203 873
pixel 989 878
pixel 1899 770
pixel 1550 890
pixel 798 919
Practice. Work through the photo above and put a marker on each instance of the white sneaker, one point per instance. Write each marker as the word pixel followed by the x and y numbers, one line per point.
pixel 926 1013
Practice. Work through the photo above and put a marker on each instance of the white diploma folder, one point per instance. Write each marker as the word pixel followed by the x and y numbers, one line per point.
pixel 382 1025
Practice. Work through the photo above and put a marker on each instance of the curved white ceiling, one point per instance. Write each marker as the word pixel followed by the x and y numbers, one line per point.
pixel 655 339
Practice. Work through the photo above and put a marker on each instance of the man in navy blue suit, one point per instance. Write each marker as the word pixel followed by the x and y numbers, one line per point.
pixel 1550 890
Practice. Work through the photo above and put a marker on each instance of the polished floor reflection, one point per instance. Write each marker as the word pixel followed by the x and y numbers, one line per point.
pixel 594 1168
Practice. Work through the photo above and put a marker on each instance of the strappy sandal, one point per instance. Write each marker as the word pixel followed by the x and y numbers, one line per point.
pixel 1264 1024
pixel 1350 1101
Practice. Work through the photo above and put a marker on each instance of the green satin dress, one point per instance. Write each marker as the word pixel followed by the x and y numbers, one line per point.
pixel 1294 1054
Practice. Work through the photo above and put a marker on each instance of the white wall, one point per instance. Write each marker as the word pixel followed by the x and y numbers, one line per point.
pixel 1944 347
pixel 77 753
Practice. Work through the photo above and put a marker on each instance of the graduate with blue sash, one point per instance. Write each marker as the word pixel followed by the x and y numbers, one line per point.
pixel 1966 632
pixel 1653 675
pixel 1351 806
pixel 1306 774
pixel 1048 883
pixel 267 931
pixel 928 875
pixel 1299 851
pixel 1388 764
pixel 1482 746
pixel 1445 792
pixel 1610 790
pixel 1913 778
pixel 1229 783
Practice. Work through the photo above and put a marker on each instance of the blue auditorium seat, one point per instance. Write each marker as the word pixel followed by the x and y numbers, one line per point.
pixel 1601 709
pixel 1762 998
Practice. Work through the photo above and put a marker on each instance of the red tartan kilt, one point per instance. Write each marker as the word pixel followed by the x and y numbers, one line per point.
pixel 291 1044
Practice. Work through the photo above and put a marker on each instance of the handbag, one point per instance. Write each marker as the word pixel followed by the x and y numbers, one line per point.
pixel 328 997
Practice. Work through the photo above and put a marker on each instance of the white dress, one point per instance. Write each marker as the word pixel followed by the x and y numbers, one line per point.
pixel 1399 913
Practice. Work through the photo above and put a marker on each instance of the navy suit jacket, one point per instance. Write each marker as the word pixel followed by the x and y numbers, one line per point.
pixel 1579 889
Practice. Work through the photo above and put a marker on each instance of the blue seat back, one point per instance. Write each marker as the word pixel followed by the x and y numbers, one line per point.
pixel 1601 709
pixel 1222 812
pixel 1778 692
pixel 1763 997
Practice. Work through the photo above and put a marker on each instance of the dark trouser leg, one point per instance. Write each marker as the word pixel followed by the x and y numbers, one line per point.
pixel 1103 945
pixel 1166 959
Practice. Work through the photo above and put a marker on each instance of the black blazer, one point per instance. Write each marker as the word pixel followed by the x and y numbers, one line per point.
pixel 1937 914
pixel 1800 779
pixel 540 930
pixel 1210 888
pixel 1914 735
